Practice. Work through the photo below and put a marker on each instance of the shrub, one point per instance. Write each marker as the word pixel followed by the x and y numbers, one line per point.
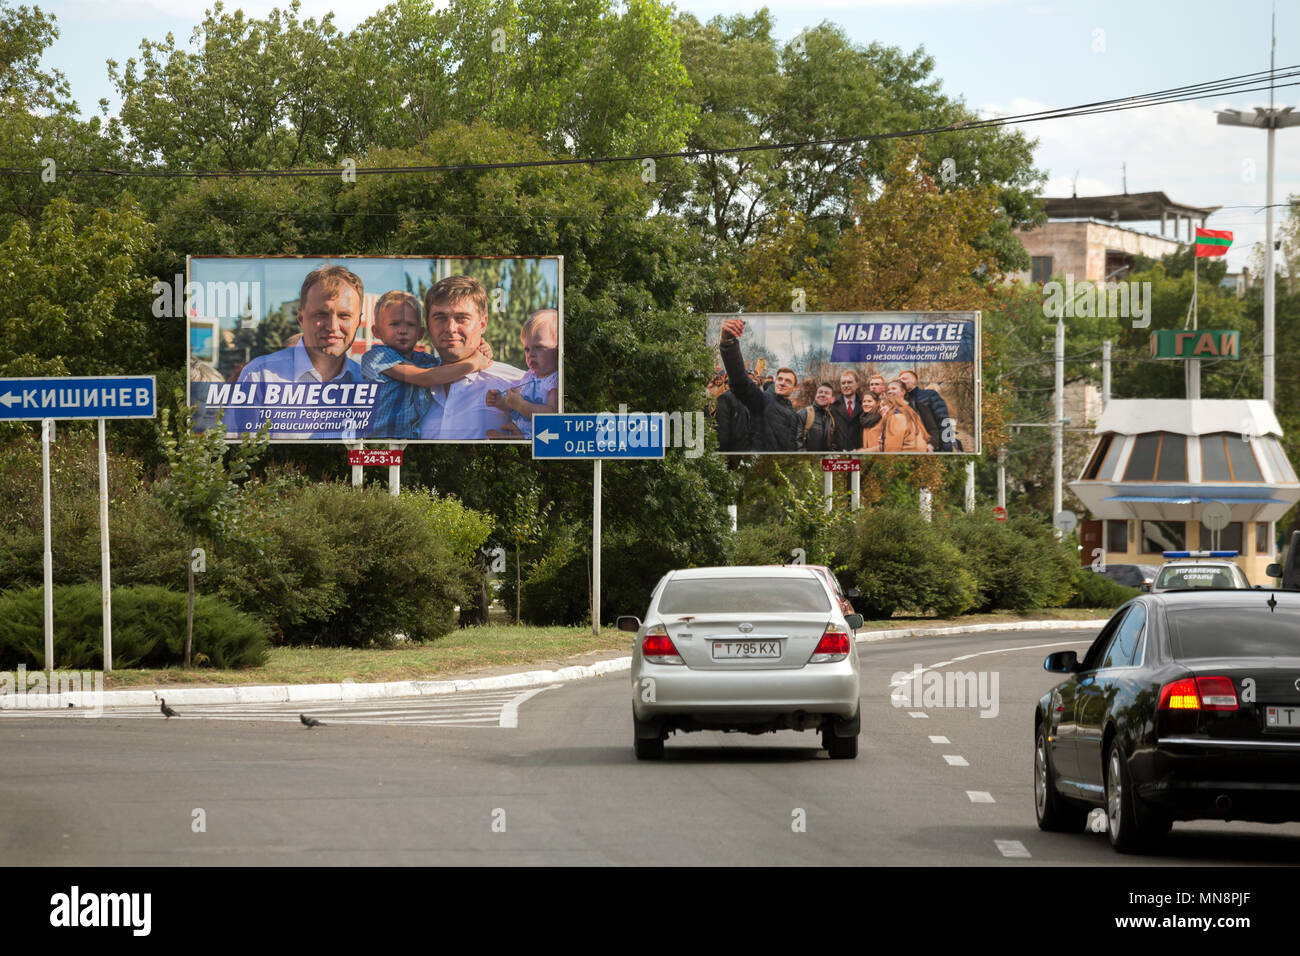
pixel 332 564
pixel 1090 589
pixel 1018 565
pixel 148 629
pixel 767 543
pixel 900 561
pixel 556 590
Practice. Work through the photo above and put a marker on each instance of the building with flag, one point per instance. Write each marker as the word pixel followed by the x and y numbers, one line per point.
pixel 1094 237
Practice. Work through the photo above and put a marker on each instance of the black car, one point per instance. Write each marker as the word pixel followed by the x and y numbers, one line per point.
pixel 1186 707
pixel 1130 575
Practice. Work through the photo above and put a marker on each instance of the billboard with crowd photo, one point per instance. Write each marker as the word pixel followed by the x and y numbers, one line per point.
pixel 382 348
pixel 894 383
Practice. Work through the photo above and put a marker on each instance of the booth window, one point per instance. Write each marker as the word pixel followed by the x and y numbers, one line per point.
pixel 1261 538
pixel 1158 456
pixel 1160 536
pixel 1117 535
pixel 1230 538
pixel 1226 457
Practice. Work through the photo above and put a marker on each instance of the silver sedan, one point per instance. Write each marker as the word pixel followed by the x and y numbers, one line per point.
pixel 752 649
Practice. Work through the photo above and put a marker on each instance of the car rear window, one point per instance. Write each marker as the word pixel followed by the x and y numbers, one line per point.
pixel 1235 632
pixel 757 595
pixel 1193 576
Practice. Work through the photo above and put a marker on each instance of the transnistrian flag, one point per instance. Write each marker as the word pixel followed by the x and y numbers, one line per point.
pixel 1212 242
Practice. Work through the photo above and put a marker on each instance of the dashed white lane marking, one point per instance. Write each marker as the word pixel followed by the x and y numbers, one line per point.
pixel 940 740
pixel 980 796
pixel 955 760
pixel 1012 848
pixel 918 713
pixel 485 709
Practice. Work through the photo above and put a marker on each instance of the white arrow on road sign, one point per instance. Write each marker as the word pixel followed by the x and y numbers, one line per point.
pixel 8 398
pixel 546 435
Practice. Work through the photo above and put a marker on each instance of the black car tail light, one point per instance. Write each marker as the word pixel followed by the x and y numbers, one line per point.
pixel 1199 693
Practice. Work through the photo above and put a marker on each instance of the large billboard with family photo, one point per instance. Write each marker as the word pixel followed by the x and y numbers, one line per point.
pixel 371 348
pixel 892 383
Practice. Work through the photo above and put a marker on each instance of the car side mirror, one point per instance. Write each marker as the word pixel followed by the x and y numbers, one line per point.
pixel 1274 570
pixel 852 593
pixel 629 622
pixel 1062 662
pixel 853 620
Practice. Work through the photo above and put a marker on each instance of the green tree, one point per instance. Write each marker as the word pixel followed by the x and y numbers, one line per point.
pixel 202 484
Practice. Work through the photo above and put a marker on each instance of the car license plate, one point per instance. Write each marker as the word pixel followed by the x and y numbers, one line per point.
pixel 740 650
pixel 1283 718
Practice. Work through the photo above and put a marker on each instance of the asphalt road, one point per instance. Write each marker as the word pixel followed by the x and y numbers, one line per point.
pixel 420 783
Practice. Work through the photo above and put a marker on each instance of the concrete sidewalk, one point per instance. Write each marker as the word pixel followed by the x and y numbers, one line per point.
pixel 350 690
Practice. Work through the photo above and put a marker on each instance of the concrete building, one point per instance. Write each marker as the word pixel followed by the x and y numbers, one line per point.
pixel 1158 463
pixel 1083 237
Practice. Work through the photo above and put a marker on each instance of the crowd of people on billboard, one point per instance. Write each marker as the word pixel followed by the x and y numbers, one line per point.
pixel 397 390
pixel 755 412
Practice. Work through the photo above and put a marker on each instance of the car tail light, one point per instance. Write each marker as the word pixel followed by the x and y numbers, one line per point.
pixel 658 647
pixel 834 646
pixel 1217 693
pixel 1199 693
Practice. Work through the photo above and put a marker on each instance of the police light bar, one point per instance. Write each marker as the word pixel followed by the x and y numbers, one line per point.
pixel 1201 554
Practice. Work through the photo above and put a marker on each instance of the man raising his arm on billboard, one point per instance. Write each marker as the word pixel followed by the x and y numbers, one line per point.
pixel 773 422
pixel 456 310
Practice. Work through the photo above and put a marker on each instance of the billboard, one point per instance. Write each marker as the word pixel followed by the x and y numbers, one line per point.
pixel 899 383
pixel 372 348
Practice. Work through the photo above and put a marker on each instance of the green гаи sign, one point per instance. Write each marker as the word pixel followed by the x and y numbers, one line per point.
pixel 1196 344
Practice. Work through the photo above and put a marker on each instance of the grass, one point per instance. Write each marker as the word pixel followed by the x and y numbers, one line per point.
pixel 460 652
pixel 478 649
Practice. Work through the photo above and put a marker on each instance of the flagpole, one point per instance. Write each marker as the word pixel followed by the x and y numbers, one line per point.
pixel 1194 368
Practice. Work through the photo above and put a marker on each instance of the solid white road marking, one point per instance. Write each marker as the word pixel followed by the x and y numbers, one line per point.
pixel 980 796
pixel 510 712
pixel 918 713
pixel 940 740
pixel 1012 848
pixel 955 760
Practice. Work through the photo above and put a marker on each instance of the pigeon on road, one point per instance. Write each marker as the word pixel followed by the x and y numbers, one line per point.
pixel 310 721
pixel 167 711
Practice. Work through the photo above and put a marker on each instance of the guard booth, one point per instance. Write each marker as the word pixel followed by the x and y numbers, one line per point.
pixel 1158 463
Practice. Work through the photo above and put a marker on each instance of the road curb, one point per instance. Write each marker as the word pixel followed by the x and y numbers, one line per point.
pixel 350 690
pixel 867 637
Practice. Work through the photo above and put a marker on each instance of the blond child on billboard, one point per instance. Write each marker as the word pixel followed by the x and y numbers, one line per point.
pixel 539 390
pixel 406 375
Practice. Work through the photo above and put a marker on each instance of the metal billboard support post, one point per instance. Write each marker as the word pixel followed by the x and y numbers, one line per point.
pixel 595 547
pixel 855 487
pixel 47 435
pixel 104 565
pixel 395 472
pixel 828 489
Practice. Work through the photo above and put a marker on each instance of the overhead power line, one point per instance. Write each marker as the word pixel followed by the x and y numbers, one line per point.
pixel 1243 83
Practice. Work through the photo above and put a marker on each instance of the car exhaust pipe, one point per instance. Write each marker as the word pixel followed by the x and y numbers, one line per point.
pixel 1223 803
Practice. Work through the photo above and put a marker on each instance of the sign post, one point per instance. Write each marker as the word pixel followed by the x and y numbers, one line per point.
pixel 579 437
pixel 98 397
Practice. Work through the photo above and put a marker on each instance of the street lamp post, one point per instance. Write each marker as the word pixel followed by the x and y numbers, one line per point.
pixel 1270 119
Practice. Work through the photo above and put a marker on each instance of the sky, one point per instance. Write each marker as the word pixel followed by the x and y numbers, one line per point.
pixel 1000 57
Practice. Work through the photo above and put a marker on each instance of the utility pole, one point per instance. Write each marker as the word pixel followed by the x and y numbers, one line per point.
pixel 1058 419
pixel 1270 119
pixel 1002 477
pixel 1105 374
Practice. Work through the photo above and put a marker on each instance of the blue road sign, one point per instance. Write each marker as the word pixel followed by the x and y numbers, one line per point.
pixel 603 435
pixel 122 396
